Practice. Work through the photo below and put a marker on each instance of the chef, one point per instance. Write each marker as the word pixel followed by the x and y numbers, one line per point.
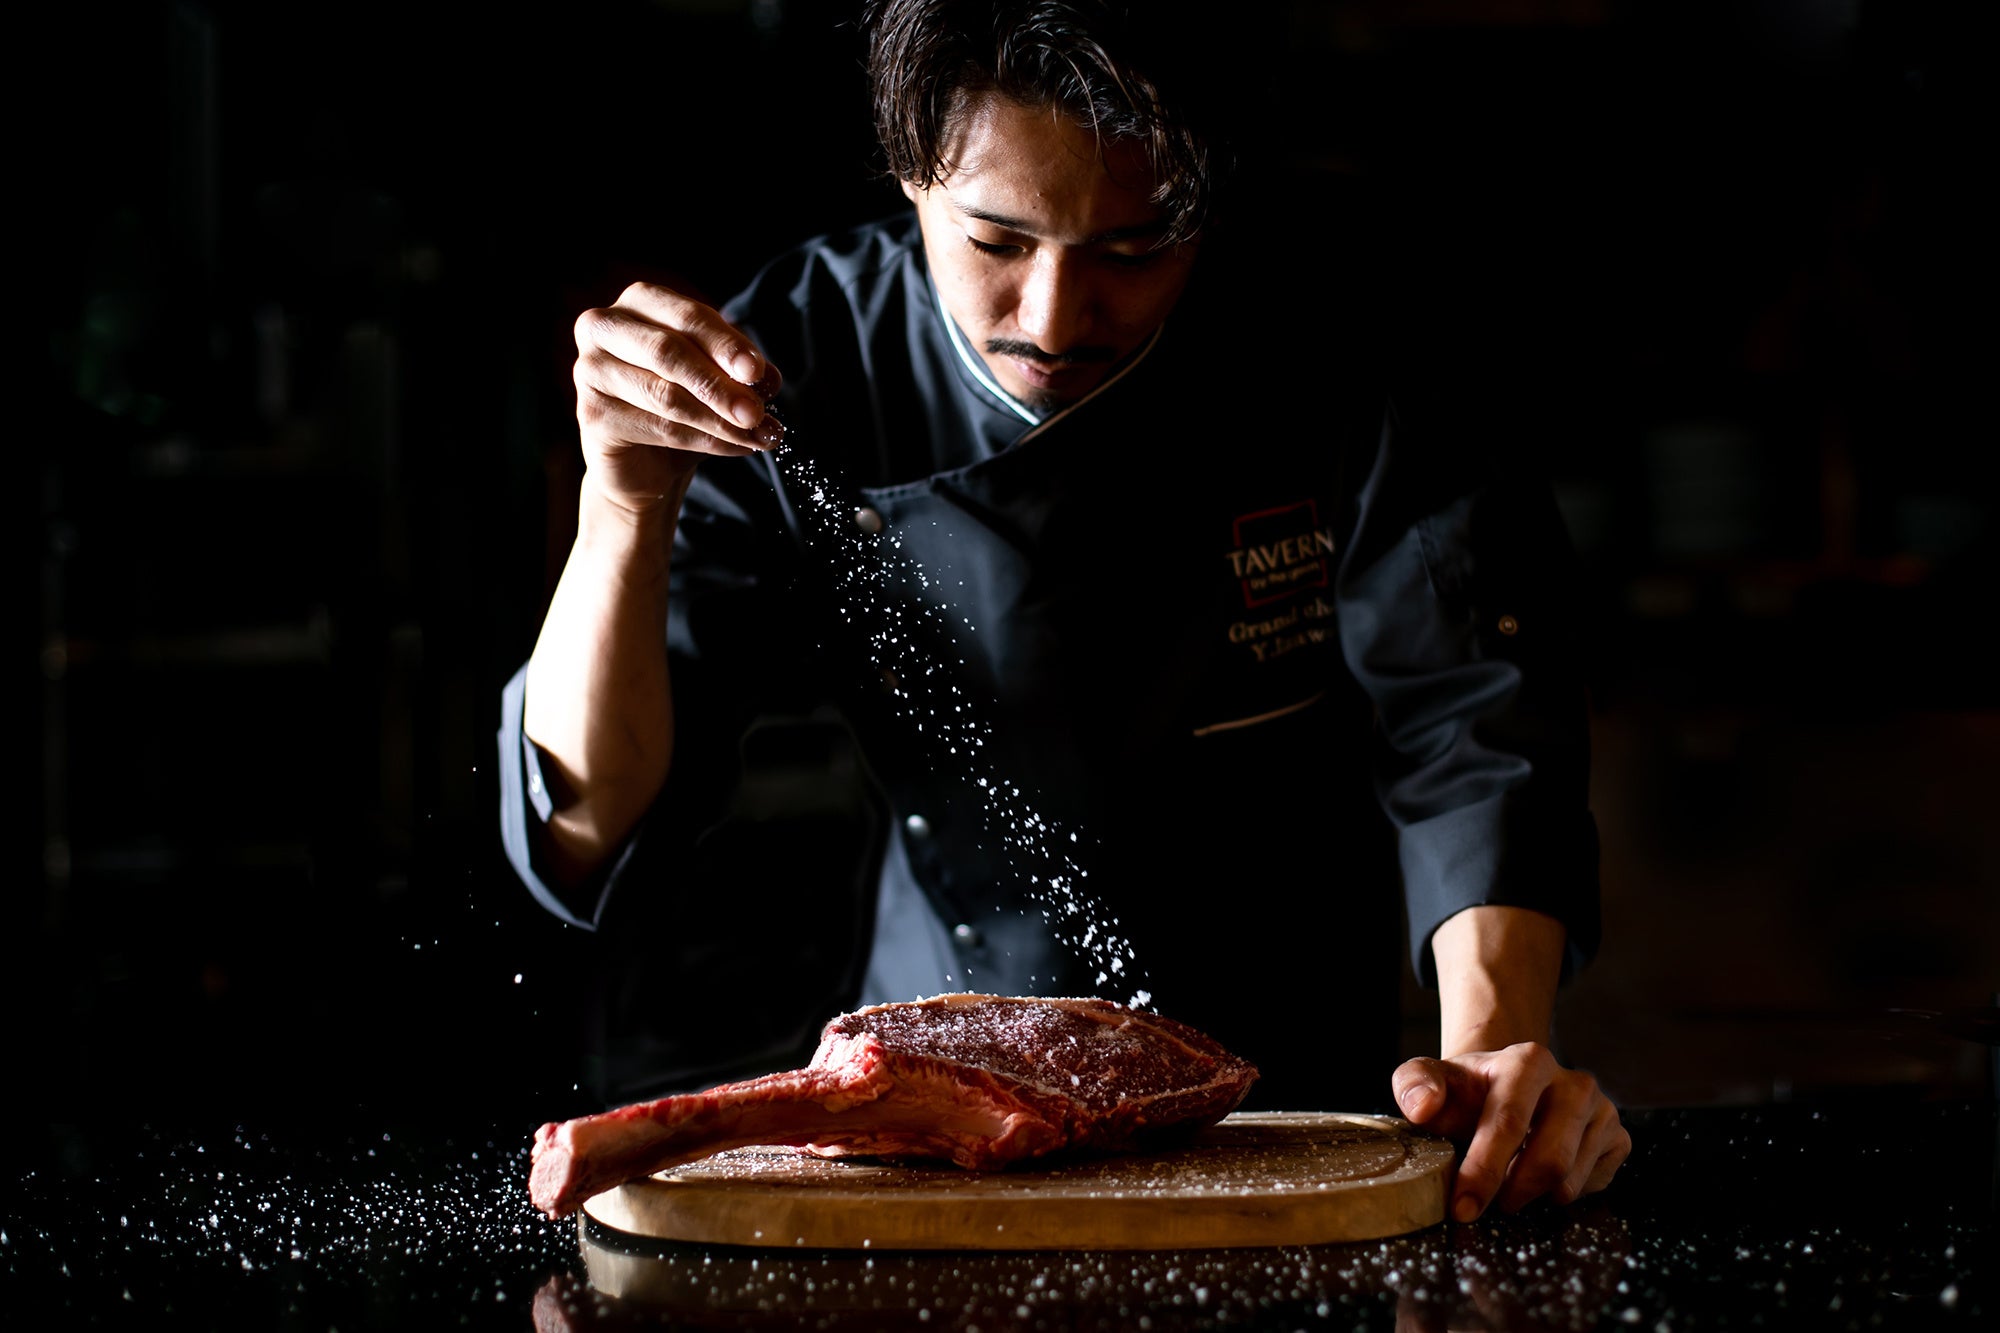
pixel 1010 596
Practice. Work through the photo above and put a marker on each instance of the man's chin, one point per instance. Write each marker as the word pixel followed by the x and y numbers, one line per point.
pixel 1044 402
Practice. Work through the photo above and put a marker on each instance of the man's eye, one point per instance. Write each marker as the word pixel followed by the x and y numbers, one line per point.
pixel 990 247
pixel 1131 258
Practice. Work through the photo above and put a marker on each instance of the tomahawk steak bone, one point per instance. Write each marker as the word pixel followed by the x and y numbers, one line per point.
pixel 979 1080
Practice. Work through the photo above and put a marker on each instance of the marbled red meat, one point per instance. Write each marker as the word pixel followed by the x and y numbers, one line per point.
pixel 982 1081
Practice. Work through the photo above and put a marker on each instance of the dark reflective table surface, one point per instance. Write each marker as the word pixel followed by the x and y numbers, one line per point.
pixel 1861 1213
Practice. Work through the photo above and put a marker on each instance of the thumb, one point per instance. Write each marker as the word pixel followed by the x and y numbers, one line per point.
pixel 1421 1088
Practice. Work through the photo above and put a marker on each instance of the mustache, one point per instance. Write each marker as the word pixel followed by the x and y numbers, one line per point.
pixel 1027 351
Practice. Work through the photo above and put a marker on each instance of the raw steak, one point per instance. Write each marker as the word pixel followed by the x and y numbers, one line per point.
pixel 980 1080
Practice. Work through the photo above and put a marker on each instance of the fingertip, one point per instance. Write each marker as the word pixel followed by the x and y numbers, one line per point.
pixel 1424 1090
pixel 745 368
pixel 1465 1208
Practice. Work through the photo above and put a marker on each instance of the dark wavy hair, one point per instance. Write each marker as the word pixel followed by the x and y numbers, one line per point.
pixel 1124 70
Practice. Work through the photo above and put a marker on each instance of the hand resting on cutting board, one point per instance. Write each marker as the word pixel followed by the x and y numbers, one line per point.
pixel 1531 1128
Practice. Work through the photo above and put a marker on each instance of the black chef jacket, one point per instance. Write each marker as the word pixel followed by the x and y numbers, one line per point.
pixel 1153 699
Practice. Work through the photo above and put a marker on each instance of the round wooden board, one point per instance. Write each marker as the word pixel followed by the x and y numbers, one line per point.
pixel 1256 1178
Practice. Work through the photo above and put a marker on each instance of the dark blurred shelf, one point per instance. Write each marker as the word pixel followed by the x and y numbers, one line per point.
pixel 277 645
pixel 1858 639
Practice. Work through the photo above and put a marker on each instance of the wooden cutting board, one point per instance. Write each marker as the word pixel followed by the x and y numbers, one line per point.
pixel 1257 1178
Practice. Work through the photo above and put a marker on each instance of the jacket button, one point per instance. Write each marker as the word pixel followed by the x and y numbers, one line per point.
pixel 1509 626
pixel 869 520
pixel 964 934
pixel 918 826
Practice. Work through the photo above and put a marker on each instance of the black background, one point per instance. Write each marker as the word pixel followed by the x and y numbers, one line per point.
pixel 303 282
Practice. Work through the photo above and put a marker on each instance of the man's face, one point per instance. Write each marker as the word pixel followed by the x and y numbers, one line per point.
pixel 1043 256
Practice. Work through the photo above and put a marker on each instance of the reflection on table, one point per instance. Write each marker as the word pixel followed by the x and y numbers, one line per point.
pixel 1557 1270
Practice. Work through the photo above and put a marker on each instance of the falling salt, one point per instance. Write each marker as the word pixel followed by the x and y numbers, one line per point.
pixel 906 636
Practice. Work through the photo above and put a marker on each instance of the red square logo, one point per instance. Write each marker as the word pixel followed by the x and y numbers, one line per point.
pixel 1279 552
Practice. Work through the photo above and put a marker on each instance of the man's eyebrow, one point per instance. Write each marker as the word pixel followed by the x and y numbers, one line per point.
pixel 1137 231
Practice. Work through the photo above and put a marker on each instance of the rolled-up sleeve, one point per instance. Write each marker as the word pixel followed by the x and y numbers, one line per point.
pixel 1460 619
pixel 525 807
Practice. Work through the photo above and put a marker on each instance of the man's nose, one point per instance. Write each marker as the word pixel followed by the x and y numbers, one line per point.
pixel 1056 303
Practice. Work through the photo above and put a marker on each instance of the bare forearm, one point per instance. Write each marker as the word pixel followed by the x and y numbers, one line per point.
pixel 599 701
pixel 1497 968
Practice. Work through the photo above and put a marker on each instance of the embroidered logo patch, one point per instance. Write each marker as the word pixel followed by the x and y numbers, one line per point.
pixel 1279 552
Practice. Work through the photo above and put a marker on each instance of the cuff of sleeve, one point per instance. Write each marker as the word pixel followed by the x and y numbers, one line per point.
pixel 1478 855
pixel 538 788
pixel 525 808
